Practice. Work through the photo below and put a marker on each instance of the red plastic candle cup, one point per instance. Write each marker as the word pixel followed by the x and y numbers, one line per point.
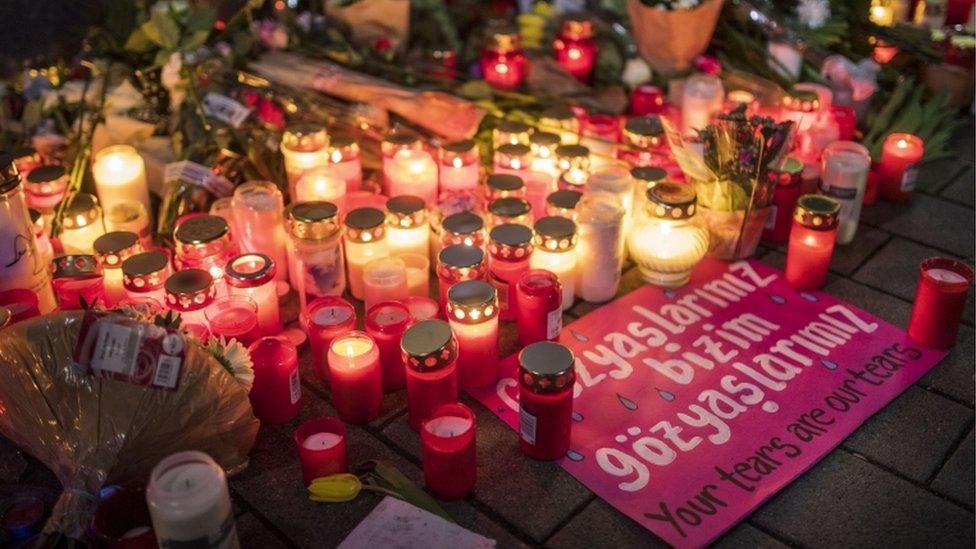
pixel 509 247
pixel 472 310
pixel 447 449
pixel 189 292
pixel 77 278
pixel 846 120
pixel 575 48
pixel 327 318
pixel 503 62
pixel 811 241
pixel 385 323
pixel 122 521
pixel 421 308
pixel 430 354
pixel 234 316
pixel 646 99
pixel 546 377
pixel 457 263
pixel 898 168
pixel 787 179
pixel 277 391
pixel 21 303
pixel 356 375
pixel 873 185
pixel 943 285
pixel 538 307
pixel 321 446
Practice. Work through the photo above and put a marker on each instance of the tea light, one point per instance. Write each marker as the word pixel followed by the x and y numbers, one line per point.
pixel 365 240
pixel 811 241
pixel 304 147
pixel 252 276
pixel 129 216
pixel 509 210
pixel 448 451
pixel 384 279
pixel 204 242
pixel 421 308
pixel 561 119
pixel 644 137
pixel 21 303
pixel 81 225
pixel 543 147
pixel 316 263
pixel 505 185
pixel 510 246
pixel 465 227
pixel 321 184
pixel 77 281
pixel 512 159
pixel 355 374
pixel 787 179
pixel 188 501
pixel 457 263
pixel 111 249
pixel 120 174
pixel 573 162
pixel 326 318
pixel 575 48
pixel 898 168
pixel 430 354
pixel 601 133
pixel 472 310
pixel 277 391
pixel 646 99
pixel 322 449
pixel 345 161
pixel 459 167
pixel 510 132
pixel 503 62
pixel 407 228
pixel 259 223
pixel 538 186
pixel 844 178
pixel 385 323
pixel 943 286
pixel 418 273
pixel 670 240
pixel 601 223
pixel 44 187
pixel 563 203
pixel 189 292
pixel 555 251
pixel 412 172
pixel 144 274
pixel 546 378
pixel 702 97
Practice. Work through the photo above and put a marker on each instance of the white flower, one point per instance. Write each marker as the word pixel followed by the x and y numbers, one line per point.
pixel 172 80
pixel 636 72
pixel 813 13
pixel 233 356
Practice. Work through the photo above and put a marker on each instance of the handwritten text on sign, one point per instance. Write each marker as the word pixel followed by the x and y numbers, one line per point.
pixel 693 406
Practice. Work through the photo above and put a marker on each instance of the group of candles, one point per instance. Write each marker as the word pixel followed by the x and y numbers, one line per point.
pixel 504 64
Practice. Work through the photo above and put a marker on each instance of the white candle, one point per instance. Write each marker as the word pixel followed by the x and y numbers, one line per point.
pixel 555 251
pixel 82 225
pixel 304 146
pixel 412 172
pixel 120 174
pixel 459 167
pixel 365 240
pixel 130 216
pixel 407 228
pixel 701 98
pixel 448 426
pixel 418 273
pixel 259 222
pixel 344 159
pixel 601 244
pixel 321 441
pixel 947 276
pixel 322 183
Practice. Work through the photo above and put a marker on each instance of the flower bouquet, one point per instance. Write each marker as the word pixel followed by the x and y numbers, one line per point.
pixel 729 175
pixel 670 34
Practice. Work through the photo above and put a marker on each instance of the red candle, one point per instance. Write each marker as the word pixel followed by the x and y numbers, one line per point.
pixel 234 316
pixel 873 185
pixel 472 310
pixel 122 521
pixel 576 49
pixel 327 318
pixel 356 376
pixel 322 448
pixel 546 377
pixel 510 246
pixel 21 303
pixel 898 168
pixel 787 179
pixel 811 241
pixel 385 323
pixel 538 307
pixel 421 308
pixel 457 263
pixel 277 391
pixel 958 12
pixel 846 120
pixel 447 441
pixel 503 63
pixel 646 99
pixel 430 354
pixel 463 228
pixel 77 278
pixel 939 301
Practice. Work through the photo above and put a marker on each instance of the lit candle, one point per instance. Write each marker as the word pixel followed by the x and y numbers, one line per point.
pixel 315 259
pixel 801 105
pixel 510 246
pixel 737 98
pixel 189 292
pixel 22 265
pixel 277 391
pixel 77 281
pixel 702 97
pixel 384 279
pixel 646 99
pixel 512 159
pixel 459 167
pixel 345 161
pixel 601 133
pixel 510 132
pixel 465 227
pixel 44 187
pixel 365 240
pixel 943 286
pixel 562 120
pixel 259 223
pixel 224 207
pixel 543 147
pixel 448 451
pixel 393 143
pixel 563 203
pixel 422 308
pixel 143 276
pixel 204 242
pixel 645 178
pixel 120 174
pixel 467 203
pixel 538 186
pixel 472 310
pixel 188 502
pixel 430 354
pixel 130 216
pixel 321 184
pixel 234 316
pixel 787 190
pixel 670 239
pixel 82 224
pixel 407 228
pixel 573 162
pixel 844 178
pixel 457 263
pixel 326 318
pixel 601 244
pixel 252 276
pixel 509 210
pixel 881 13
pixel 503 62
pixel 811 241
pixel 412 172
pixel 385 323
pixel 355 374
pixel 303 146
pixel 111 249
pixel 505 185
pixel 575 48
pixel 418 273
pixel 645 142
pixel 555 251
pixel 321 446
pixel 898 168
pixel 546 378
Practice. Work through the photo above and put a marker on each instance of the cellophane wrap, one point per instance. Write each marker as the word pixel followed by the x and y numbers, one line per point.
pixel 93 431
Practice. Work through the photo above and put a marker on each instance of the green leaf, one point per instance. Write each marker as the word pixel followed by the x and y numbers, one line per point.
pixel 390 478
pixel 195 40
pixel 201 19
pixel 138 42
pixel 166 33
pixel 162 57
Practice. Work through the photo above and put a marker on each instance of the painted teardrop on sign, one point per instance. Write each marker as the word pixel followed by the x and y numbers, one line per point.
pixel 828 364
pixel 577 416
pixel 666 395
pixel 574 455
pixel 809 297
pixel 776 298
pixel 579 337
pixel 626 402
pixel 501 409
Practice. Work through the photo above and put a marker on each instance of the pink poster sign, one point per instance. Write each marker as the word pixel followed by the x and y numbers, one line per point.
pixel 694 406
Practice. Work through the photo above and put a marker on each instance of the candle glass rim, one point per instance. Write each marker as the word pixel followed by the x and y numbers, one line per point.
pixel 353 334
pixel 222 303
pixel 317 425
pixel 957 266
pixel 391 328
pixel 452 409
pixel 326 301
pixel 172 501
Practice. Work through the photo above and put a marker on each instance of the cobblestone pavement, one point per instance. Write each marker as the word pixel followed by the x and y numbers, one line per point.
pixel 905 478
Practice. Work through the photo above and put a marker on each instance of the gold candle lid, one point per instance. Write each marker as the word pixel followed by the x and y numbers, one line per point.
pixel 817 212
pixel 399 140
pixel 463 223
pixel 558 113
pixel 459 153
pixel 461 259
pixel 577 29
pixel 649 175
pixel 459 147
pixel 365 225
pixel 342 147
pixel 555 234
pixel 472 302
pixel 547 367
pixel 505 42
pixel 644 131
pixel 510 241
pixel 199 235
pixel 501 185
pixel 563 201
pixel 428 345
pixel 513 156
pixel 145 272
pixel 573 152
pixel 74 266
pixel 81 212
pixel 189 290
pixel 802 100
pixel 406 211
pixel 671 201
pixel 509 209
pixel 47 180
pixel 111 249
pixel 315 220
pixel 305 137
pixel 512 126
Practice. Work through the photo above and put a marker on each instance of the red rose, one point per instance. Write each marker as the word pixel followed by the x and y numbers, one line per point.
pixel 708 65
pixel 271 114
pixel 383 44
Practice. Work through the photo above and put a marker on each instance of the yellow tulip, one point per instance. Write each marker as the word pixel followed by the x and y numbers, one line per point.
pixel 335 488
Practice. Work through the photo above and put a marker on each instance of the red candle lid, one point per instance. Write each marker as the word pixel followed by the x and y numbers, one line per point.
pixel 250 270
pixel 329 311
pixel 429 345
pixel 388 317
pixel 546 367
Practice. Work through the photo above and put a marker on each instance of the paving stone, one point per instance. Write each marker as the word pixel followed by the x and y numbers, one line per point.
pixel 962 189
pixel 747 535
pixel 913 434
pixel 956 477
pixel 600 525
pixel 848 258
pixel 964 142
pixel 932 221
pixel 935 176
pixel 845 501
pixel 954 375
pixel 253 533
pixel 877 303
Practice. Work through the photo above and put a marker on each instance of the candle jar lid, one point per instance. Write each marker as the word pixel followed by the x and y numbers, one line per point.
pixel 201 236
pixel 649 175
pixel 189 290
pixel 802 100
pixel 504 42
pixel 47 180
pixel 81 212
pixel 111 249
pixel 460 146
pixel 818 212
pixel 511 127
pixel 788 174
pixel 459 153
pixel 365 225
pixel 397 141
pixel 145 272
pixel 572 152
pixel 576 29
pixel 74 266
pixel 564 200
pixel 342 147
pixel 559 113
pixel 504 184
pixel 463 223
pixel 472 301
pixel 315 220
pixel 644 132
pixel 510 241
pixel 546 367
pixel 509 209
pixel 671 201
pixel 9 173
pixel 305 138
pixel 512 155
pixel 543 144
pixel 250 270
pixel 390 317
pixel 461 258
pixel 406 211
pixel 555 234
pixel 428 345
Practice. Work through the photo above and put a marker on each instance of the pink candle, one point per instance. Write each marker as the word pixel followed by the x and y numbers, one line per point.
pixel 327 318
pixel 472 309
pixel 422 308
pixel 898 168
pixel 384 279
pixel 448 451
pixel 412 172
pixel 459 167
pixel 344 159
pixel 538 186
pixel 252 276
pixel 143 276
pixel 430 354
pixel 356 376
pixel 44 187
pixel 385 323
pixel 77 281
pixel 189 292
pixel 321 184
pixel 234 316
pixel 321 446
pixel 277 391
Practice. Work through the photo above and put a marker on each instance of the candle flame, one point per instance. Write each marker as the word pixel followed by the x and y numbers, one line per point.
pixel 902 144
pixel 574 53
pixel 501 68
pixel 457 162
pixel 336 157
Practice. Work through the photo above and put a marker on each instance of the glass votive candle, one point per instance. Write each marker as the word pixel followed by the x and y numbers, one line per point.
pixel 120 174
pixel 189 292
pixel 223 207
pixel 131 216
pixel 144 276
pixel 20 303
pixel 512 159
pixel 503 62
pixel 504 185
pixel 384 279
pixel 412 172
pixel 538 186
pixel 702 97
pixel 555 251
pixel 575 48
pixel 418 273
pixel 943 286
pixel 81 225
pixel 365 240
pixel 616 182
pixel 509 246
pixel 356 377
pixel 898 168
pixel 450 205
pixel 546 378
pixel 573 162
pixel 787 180
pixel 670 239
pixel 811 241
pixel 844 178
pixel 543 146
pixel 259 224
pixel 646 99
pixel 111 249
pixel 561 119
pixel 345 161
pixel 645 178
pixel 457 263
pixel 234 316
pixel 386 322
pixel 430 354
pixel 393 143
pixel 422 308
pixel 601 225
pixel 303 146
pixel 253 276
pixel 407 228
pixel 204 242
pixel 44 248
pixel 509 210
pixel 601 133
pixel 459 169
pixel 276 394
pixel 77 281
pixel 315 258
pixel 448 451
pixel 44 187
pixel 321 184
pixel 325 319
pixel 563 203
pixel 322 449
pixel 465 227
pixel 510 132
pixel 472 311
pixel 801 106
pixel 644 141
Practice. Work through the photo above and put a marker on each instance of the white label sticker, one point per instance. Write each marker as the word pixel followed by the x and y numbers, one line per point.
pixel 167 372
pixel 225 109
pixel 771 218
pixel 908 178
pixel 554 324
pixel 116 349
pixel 527 424
pixel 296 386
